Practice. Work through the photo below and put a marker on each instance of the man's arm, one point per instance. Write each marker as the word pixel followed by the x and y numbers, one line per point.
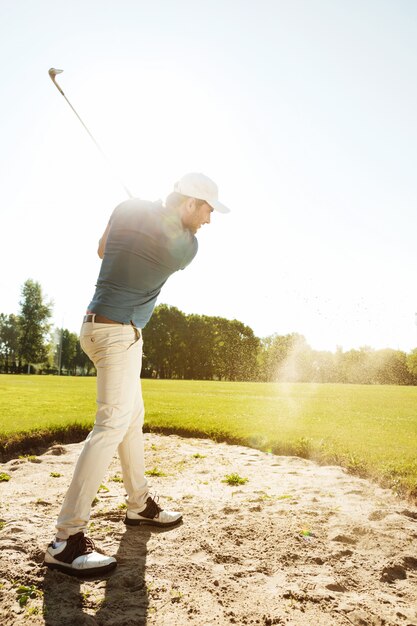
pixel 102 242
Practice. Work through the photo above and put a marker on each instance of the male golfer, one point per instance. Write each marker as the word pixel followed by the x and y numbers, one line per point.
pixel 143 244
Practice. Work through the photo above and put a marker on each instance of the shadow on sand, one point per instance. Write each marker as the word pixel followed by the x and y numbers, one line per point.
pixel 125 594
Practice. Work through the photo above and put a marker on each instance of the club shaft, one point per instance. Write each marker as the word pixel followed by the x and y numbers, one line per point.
pixel 103 154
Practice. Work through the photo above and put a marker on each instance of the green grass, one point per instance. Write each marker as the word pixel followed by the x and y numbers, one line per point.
pixel 234 480
pixel 372 430
pixel 155 472
pixel 24 593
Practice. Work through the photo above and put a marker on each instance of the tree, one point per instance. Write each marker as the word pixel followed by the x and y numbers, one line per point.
pixel 286 358
pixel 356 366
pixel 235 350
pixel 82 361
pixel 199 364
pixel 9 341
pixel 391 368
pixel 33 322
pixel 67 350
pixel 198 347
pixel 412 362
pixel 325 369
pixel 164 343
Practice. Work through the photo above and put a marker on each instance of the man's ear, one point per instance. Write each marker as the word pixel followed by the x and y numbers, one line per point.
pixel 190 205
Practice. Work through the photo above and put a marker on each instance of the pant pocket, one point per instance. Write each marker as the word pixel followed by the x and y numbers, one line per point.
pixel 100 338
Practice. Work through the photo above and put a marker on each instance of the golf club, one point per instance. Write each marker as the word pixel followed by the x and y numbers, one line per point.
pixel 53 73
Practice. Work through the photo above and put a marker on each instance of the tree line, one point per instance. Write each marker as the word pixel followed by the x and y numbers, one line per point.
pixel 201 347
pixel 30 344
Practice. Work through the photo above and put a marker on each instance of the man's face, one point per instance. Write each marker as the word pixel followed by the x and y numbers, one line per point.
pixel 196 214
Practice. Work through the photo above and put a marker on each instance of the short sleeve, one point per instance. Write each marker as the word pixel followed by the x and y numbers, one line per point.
pixel 191 251
pixel 122 208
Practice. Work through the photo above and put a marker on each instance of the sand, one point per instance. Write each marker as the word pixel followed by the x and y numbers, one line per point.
pixel 297 544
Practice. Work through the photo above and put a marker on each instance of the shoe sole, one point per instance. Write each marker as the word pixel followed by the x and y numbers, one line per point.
pixel 151 522
pixel 92 571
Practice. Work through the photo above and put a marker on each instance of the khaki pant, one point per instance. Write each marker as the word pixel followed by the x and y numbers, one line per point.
pixel 116 351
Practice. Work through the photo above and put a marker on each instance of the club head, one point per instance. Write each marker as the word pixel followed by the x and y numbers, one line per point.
pixel 53 72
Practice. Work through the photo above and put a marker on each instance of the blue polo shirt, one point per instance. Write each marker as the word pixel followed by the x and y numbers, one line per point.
pixel 146 243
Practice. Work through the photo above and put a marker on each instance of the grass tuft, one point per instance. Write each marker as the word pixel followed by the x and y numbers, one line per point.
pixel 24 592
pixel 234 480
pixel 32 458
pixel 155 472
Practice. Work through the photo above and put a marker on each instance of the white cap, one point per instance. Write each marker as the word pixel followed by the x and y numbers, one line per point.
pixel 197 185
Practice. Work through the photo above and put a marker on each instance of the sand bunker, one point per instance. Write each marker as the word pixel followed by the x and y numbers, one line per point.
pixel 297 544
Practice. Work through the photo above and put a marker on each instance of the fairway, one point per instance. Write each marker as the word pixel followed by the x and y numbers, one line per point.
pixel 372 430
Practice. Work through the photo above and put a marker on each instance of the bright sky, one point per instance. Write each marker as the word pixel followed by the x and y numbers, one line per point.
pixel 302 111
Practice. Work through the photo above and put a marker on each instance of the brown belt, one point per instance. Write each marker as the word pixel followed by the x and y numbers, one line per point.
pixel 100 319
